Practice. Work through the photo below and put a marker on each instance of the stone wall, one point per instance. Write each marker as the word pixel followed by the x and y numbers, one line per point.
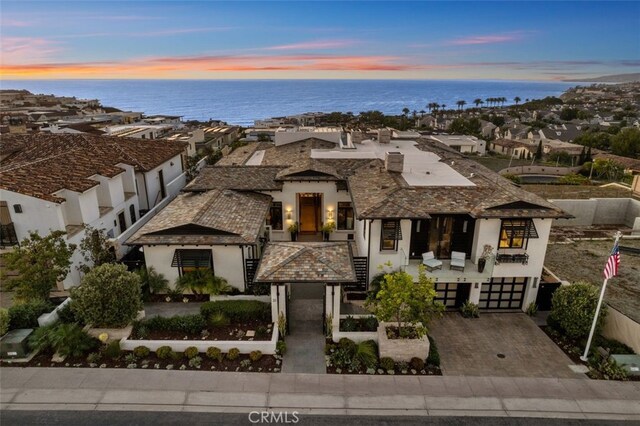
pixel 600 211
pixel 401 349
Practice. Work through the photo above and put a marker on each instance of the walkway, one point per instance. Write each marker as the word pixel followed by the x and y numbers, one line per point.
pixel 305 342
pixel 171 309
pixel 150 390
pixel 498 344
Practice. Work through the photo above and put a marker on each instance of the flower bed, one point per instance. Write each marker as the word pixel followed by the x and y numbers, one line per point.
pixel 177 298
pixel 366 323
pixel 193 327
pixel 266 363
pixel 349 357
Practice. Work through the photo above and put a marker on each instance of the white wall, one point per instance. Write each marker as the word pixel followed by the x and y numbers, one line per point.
pixel 37 215
pixel 227 262
pixel 397 258
pixel 89 205
pixel 330 199
pixel 170 172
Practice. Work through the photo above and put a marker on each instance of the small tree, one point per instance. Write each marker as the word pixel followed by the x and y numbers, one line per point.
pixel 95 249
pixel 40 262
pixel 573 307
pixel 403 301
pixel 154 281
pixel 109 296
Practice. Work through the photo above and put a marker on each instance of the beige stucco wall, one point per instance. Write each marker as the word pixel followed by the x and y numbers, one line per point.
pixel 620 327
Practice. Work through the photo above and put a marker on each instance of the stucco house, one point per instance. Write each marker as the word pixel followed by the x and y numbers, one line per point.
pixel 51 182
pixel 390 202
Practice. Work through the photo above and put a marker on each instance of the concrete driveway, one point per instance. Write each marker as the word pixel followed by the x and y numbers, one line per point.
pixel 470 347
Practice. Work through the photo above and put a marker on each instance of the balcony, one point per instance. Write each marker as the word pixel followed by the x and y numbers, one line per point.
pixel 522 258
pixel 448 275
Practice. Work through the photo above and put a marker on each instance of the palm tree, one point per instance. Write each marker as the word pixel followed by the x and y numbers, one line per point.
pixel 517 100
pixel 477 101
pixel 502 101
pixel 405 111
pixel 462 104
pixel 489 101
pixel 459 103
pixel 422 112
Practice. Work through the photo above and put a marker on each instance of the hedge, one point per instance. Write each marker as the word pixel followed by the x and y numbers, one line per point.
pixel 238 310
pixel 190 324
pixel 26 315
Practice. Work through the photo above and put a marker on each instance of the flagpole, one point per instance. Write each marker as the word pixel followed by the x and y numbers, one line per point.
pixel 584 357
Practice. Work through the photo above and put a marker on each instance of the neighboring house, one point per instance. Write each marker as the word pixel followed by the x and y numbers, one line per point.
pixel 52 182
pixel 488 129
pixel 390 202
pixel 559 133
pixel 462 143
pixel 516 131
pixel 515 149
pixel 218 137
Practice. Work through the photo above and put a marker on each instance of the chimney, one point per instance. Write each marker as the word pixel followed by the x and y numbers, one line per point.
pixel 394 161
pixel 356 136
pixel 384 136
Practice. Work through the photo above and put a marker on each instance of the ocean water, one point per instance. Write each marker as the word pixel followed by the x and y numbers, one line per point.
pixel 243 101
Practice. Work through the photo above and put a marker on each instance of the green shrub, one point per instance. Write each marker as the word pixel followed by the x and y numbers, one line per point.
pixel 366 353
pixel 176 355
pixel 4 321
pixel 94 357
pixel 417 363
pixel 469 310
pixel 188 324
pixel 112 350
pixel 109 296
pixel 233 353
pixel 238 310
pixel 191 351
pixel 532 309
pixel 402 366
pixel 261 331
pixel 349 324
pixel 434 356
pixel 195 362
pixel 513 178
pixel 387 364
pixel 155 282
pixel 65 339
pixel 218 319
pixel 215 354
pixel 26 315
pixel 130 358
pixel 141 351
pixel 255 356
pixel 371 323
pixel 164 352
pixel 281 347
pixel 68 316
pixel 613 346
pixel 347 344
pixel 572 308
pixel 608 369
pixel 330 348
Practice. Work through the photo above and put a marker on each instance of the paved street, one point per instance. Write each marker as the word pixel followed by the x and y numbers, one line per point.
pixel 83 389
pixel 470 347
pixel 113 418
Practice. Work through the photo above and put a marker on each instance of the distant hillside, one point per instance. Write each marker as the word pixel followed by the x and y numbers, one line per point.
pixel 616 78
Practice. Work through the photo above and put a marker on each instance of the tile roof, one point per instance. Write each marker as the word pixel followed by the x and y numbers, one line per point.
pixel 306 262
pixel 40 165
pixel 239 178
pixel 210 218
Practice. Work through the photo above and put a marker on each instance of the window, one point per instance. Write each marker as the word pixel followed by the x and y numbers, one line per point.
pixel 516 233
pixel 132 213
pixel 191 260
pixel 390 235
pixel 275 216
pixel 345 216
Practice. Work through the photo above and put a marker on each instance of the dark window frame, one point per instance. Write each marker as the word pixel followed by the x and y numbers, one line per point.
pixel 390 230
pixel 514 230
pixel 344 208
pixel 188 265
pixel 273 209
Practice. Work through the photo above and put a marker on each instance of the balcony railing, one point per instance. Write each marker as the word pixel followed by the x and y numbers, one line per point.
pixel 522 258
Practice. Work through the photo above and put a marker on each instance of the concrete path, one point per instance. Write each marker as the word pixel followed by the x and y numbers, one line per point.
pixel 305 342
pixel 171 309
pixel 150 390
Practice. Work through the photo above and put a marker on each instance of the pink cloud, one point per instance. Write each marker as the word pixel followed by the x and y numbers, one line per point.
pixel 487 39
pixel 314 45
pixel 19 50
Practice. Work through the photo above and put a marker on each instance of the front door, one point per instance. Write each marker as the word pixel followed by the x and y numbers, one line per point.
pixel 419 238
pixel 310 217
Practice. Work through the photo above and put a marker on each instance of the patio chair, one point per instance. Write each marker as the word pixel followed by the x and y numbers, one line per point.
pixel 457 260
pixel 430 262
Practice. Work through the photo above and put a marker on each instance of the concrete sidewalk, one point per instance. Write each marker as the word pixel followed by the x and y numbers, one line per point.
pixel 145 390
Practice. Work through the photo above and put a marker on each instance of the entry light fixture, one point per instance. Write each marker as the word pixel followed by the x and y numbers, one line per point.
pixel 288 214
pixel 330 214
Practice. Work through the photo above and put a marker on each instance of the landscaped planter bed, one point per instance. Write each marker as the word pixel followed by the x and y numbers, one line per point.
pixel 189 298
pixel 358 324
pixel 574 350
pixel 266 364
pixel 236 331
pixel 429 370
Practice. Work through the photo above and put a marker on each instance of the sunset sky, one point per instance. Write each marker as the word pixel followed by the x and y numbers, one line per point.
pixel 318 40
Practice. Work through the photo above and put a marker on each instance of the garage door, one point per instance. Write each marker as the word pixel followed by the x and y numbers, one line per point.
pixel 452 295
pixel 503 293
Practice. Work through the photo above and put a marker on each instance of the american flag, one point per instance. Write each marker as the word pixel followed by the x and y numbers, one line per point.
pixel 611 268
